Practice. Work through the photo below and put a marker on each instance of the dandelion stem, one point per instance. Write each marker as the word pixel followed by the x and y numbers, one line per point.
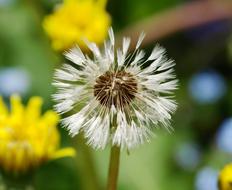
pixel 85 164
pixel 113 168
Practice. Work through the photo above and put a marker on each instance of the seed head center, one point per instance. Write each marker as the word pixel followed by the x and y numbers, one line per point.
pixel 115 88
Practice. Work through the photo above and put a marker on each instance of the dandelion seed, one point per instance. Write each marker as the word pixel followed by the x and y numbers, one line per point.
pixel 116 97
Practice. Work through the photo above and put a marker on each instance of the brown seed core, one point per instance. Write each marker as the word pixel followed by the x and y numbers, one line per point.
pixel 116 89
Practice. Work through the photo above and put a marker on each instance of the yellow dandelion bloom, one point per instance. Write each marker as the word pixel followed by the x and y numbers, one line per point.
pixel 76 20
pixel 225 178
pixel 28 139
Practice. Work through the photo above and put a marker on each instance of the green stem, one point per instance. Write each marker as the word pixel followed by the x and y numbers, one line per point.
pixel 22 182
pixel 86 165
pixel 113 168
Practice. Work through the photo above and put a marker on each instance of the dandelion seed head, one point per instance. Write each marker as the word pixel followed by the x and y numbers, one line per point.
pixel 116 97
pixel 115 88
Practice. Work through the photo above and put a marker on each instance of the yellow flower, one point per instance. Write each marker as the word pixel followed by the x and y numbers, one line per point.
pixel 225 178
pixel 76 20
pixel 28 139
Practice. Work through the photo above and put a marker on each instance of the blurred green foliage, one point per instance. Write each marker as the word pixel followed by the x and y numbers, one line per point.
pixel 126 12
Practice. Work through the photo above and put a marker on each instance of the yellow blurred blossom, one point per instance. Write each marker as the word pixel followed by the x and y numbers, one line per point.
pixel 28 139
pixel 75 20
pixel 225 178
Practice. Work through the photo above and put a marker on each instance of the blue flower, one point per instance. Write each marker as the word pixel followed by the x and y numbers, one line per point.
pixel 206 179
pixel 6 3
pixel 224 136
pixel 188 156
pixel 13 80
pixel 207 87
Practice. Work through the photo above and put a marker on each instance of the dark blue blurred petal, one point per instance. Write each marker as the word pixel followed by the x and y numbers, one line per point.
pixel 209 30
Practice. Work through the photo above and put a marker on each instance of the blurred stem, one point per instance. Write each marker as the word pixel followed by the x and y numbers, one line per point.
pixel 36 7
pixel 23 182
pixel 86 166
pixel 113 168
pixel 179 18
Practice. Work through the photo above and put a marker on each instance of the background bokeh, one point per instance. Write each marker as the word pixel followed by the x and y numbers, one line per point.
pixel 187 159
